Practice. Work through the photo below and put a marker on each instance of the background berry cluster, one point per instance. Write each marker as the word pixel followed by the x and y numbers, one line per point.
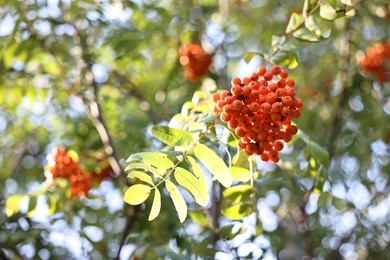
pixel 194 60
pixel 61 165
pixel 259 109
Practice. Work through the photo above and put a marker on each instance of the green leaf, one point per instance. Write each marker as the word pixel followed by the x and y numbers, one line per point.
pixel 156 206
pixel 214 164
pixel 241 159
pixel 312 25
pixel 12 204
pixel 52 203
pixel 197 170
pixel 347 2
pixel 238 193
pixel 157 159
pixel 141 176
pixel 178 200
pixel 240 174
pixel 285 58
pixel 226 232
pixel 315 149
pixel 277 41
pixel 237 212
pixel 137 194
pixel 193 185
pixel 249 56
pixel 327 11
pixel 172 136
pixel 305 35
pixel 143 166
pixel 294 22
pixel 199 217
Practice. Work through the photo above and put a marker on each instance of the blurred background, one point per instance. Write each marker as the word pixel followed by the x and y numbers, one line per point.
pixel 71 70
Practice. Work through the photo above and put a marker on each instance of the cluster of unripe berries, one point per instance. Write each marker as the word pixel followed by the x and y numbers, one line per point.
pixel 194 60
pixel 61 165
pixel 259 109
pixel 376 61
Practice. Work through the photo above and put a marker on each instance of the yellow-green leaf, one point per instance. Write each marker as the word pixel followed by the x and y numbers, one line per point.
pixel 193 185
pixel 294 22
pixel 143 166
pixel 141 176
pixel 156 206
pixel 237 212
pixel 238 193
pixel 199 217
pixel 214 164
pixel 157 159
pixel 172 136
pixel 197 170
pixel 240 174
pixel 137 194
pixel 327 11
pixel 177 199
pixel 305 35
pixel 249 56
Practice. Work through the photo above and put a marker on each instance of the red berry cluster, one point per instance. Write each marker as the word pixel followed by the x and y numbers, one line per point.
pixel 375 61
pixel 61 165
pixel 195 61
pixel 259 110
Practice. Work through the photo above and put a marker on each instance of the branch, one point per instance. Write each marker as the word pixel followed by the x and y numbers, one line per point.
pixel 131 215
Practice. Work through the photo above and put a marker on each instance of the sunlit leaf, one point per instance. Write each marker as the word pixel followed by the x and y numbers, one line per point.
pixel 197 170
pixel 193 185
pixel 156 206
pixel 172 136
pixel 137 194
pixel 178 200
pixel 237 212
pixel 141 176
pixel 157 159
pixel 327 11
pixel 143 166
pixel 199 217
pixel 240 174
pixel 32 203
pixel 294 22
pixel 238 193
pixel 305 35
pixel 12 204
pixel 214 164
pixel 312 25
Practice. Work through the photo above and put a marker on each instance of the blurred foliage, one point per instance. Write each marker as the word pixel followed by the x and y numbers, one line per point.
pixel 328 197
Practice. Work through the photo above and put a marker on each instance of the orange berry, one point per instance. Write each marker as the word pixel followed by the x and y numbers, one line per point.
pixel 246 91
pixel 264 157
pixel 275 70
pixel 297 103
pixel 268 76
pixel 278 145
pixel 227 108
pixel 224 94
pixel 225 117
pixel 273 87
pixel 285 111
pixel 277 107
pixel 263 83
pixel 271 97
pixel 290 92
pixel 252 135
pixel 287 100
pixel 237 105
pixel 254 118
pixel 262 136
pixel 247 127
pixel 254 85
pixel 232 124
pixel 280 92
pixel 263 90
pixel 246 80
pixel 281 83
pixel 290 83
pixel 257 127
pixel 240 132
pixel 261 70
pixel 241 144
pixel 271 137
pixel 274 159
pixel 254 106
pixel 229 99
pixel 215 97
pixel 254 76
pixel 255 94
pixel 283 74
pixel 265 107
pixel 276 116
pixel 220 104
pixel 236 90
pixel 236 81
